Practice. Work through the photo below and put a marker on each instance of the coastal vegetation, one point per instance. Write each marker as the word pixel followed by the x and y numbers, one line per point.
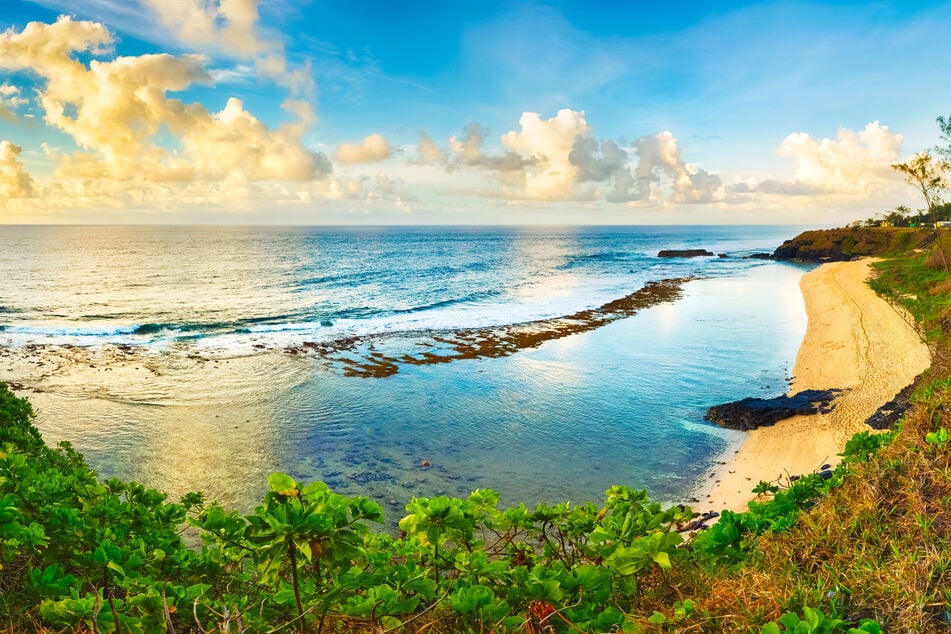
pixel 863 547
pixel 927 171
pixel 829 245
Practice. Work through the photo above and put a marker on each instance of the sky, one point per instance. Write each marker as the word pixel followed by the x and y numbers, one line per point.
pixel 444 112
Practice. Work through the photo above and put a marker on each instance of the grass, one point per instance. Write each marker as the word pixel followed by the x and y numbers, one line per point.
pixel 879 546
pixel 849 242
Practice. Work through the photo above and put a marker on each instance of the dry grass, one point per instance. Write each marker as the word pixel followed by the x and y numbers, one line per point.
pixel 939 258
pixel 877 547
pixel 941 288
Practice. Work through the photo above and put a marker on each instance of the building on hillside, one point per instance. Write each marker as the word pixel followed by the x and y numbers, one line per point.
pixel 943 224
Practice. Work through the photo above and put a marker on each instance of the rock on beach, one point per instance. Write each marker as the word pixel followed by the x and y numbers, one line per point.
pixel 752 413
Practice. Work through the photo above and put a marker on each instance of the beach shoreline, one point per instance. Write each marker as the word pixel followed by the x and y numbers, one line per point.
pixel 855 341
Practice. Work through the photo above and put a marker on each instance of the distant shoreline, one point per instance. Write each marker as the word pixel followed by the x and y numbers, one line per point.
pixel 855 341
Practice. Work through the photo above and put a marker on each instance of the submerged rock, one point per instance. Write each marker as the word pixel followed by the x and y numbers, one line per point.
pixel 371 476
pixel 683 253
pixel 751 413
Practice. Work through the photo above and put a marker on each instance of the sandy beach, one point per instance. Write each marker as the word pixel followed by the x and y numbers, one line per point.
pixel 854 341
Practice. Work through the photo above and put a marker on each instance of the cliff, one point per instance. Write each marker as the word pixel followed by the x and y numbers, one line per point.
pixel 831 245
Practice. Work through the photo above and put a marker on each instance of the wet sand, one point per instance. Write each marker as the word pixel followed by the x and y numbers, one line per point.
pixel 855 341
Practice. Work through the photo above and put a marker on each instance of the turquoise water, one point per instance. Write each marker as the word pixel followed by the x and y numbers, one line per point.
pixel 201 395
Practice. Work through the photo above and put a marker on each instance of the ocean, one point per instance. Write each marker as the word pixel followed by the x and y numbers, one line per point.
pixel 398 361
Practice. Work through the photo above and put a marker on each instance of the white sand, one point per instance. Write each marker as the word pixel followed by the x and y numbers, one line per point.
pixel 854 341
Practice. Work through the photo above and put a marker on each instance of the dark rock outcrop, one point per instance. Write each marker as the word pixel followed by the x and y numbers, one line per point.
pixel 888 414
pixel 683 253
pixel 751 413
pixel 758 256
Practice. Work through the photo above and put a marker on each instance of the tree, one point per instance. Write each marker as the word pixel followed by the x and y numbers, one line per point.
pixel 945 126
pixel 898 217
pixel 927 174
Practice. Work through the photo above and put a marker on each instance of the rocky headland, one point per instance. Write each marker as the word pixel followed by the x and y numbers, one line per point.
pixel 850 243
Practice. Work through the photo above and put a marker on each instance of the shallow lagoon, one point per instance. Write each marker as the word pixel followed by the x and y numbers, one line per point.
pixel 619 405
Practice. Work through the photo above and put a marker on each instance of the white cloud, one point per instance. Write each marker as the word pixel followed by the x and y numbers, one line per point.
pixel 661 164
pixel 10 100
pixel 548 143
pixel 428 152
pixel 560 159
pixel 231 28
pixel 117 110
pixel 855 166
pixel 371 149
pixel 239 74
pixel 774 187
pixel 15 182
pixel 226 24
pixel 468 152
pixel 853 163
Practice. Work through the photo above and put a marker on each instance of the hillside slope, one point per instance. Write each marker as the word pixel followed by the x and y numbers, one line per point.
pixel 831 245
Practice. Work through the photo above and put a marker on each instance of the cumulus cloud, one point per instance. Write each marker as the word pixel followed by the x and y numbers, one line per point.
pixel 378 188
pixel 561 159
pixel 15 181
pixel 116 111
pixel 371 149
pixel 428 152
pixel 660 160
pixel 227 24
pixel 10 100
pixel 230 27
pixel 547 143
pixel 605 162
pixel 468 152
pixel 853 163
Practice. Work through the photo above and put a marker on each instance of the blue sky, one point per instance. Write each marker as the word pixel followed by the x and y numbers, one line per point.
pixel 443 112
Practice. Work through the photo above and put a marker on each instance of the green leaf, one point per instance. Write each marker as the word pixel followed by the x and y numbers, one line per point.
pixel 791 622
pixel 391 622
pixel 939 437
pixel 866 626
pixel 662 559
pixel 100 556
pixel 468 600
pixel 657 618
pixel 303 547
pixel 282 484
